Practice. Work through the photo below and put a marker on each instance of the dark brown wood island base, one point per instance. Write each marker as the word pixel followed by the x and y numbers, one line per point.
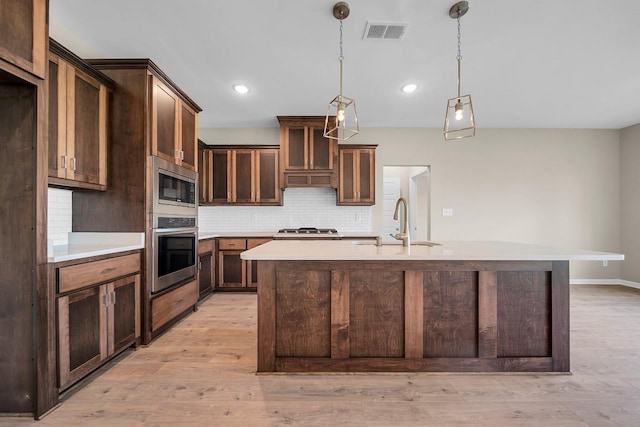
pixel 424 316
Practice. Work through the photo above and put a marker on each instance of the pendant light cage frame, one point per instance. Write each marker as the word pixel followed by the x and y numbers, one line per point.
pixel 459 119
pixel 341 121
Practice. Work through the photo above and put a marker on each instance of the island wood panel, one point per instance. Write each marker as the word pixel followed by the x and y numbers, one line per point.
pixel 450 314
pixel 487 314
pixel 524 314
pixel 376 313
pixel 380 364
pixel 266 316
pixel 560 341
pixel 340 314
pixel 303 314
pixel 414 315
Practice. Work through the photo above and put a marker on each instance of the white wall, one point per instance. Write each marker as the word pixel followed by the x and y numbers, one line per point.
pixel 545 186
pixel 630 191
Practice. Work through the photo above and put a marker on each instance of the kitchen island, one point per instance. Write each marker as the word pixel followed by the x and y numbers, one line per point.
pixel 340 306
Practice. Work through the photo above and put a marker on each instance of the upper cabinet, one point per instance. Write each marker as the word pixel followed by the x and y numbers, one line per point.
pixel 357 175
pixel 78 97
pixel 23 35
pixel 308 158
pixel 173 126
pixel 242 175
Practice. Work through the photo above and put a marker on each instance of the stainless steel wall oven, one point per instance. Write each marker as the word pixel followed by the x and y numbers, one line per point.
pixel 174 241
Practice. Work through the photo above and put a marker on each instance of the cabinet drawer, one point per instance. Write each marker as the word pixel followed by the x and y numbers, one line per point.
pixel 90 273
pixel 233 244
pixel 205 246
pixel 167 306
pixel 252 243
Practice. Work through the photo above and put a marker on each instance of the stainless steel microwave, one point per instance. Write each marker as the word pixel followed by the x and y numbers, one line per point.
pixel 175 189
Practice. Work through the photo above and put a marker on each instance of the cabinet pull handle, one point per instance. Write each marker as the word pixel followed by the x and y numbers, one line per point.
pixel 229 195
pixel 105 300
pixel 73 162
pixel 199 265
pixel 181 155
pixel 113 297
pixel 64 162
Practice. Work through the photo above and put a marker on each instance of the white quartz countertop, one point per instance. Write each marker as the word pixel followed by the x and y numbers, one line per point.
pixel 330 250
pixel 203 235
pixel 84 245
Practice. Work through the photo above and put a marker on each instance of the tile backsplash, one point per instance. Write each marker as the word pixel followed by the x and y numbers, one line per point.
pixel 302 207
pixel 59 216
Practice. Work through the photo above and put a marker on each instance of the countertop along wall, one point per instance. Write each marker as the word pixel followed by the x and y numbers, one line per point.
pixel 554 187
pixel 630 194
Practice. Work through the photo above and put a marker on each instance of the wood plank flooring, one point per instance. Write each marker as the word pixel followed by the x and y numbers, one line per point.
pixel 202 373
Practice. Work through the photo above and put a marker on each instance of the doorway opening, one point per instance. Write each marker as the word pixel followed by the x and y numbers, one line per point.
pixel 414 184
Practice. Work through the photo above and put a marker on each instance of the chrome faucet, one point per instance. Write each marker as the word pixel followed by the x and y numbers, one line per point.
pixel 404 223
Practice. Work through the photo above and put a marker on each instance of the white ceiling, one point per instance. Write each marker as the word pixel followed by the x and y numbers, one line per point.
pixel 526 63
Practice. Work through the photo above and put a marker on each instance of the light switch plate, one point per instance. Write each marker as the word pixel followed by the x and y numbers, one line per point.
pixel 447 212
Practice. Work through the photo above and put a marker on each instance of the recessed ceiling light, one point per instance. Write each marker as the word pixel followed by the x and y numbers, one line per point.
pixel 410 87
pixel 240 88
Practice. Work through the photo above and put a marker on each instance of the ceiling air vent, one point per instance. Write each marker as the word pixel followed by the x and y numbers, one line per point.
pixel 384 31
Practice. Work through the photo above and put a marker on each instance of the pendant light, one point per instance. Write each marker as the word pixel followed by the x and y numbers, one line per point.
pixel 459 121
pixel 341 122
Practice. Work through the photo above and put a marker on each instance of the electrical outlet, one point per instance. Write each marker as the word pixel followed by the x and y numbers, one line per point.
pixel 254 217
pixel 357 218
pixel 447 212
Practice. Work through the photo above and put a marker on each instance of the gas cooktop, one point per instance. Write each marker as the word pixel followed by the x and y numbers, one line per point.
pixel 309 230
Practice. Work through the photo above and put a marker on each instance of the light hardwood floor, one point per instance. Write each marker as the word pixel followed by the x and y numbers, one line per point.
pixel 202 373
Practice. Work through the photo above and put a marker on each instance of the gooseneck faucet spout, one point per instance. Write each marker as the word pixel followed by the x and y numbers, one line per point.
pixel 404 223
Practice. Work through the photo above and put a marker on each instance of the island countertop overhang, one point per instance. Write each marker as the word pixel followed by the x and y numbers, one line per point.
pixel 280 250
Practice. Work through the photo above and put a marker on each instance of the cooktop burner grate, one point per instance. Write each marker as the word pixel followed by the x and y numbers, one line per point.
pixel 309 230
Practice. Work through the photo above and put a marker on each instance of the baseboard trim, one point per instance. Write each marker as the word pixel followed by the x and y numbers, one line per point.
pixel 618 282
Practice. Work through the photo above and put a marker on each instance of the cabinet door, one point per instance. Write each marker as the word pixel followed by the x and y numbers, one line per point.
pixel 23 34
pixel 205 278
pixel 123 313
pixel 357 177
pixel 86 128
pixel 366 192
pixel 205 176
pixel 348 182
pixel 189 137
pixel 82 333
pixel 231 270
pixel 164 121
pixel 323 150
pixel 267 176
pixel 243 189
pixel 252 266
pixel 221 176
pixel 296 148
pixel 57 117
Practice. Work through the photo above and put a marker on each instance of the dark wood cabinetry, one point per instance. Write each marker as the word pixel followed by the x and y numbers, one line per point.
pixel 308 158
pixel 96 319
pixel 23 35
pixel 151 116
pixel 27 302
pixel 242 175
pixel 173 126
pixel 235 273
pixel 357 175
pixel 78 121
pixel 206 250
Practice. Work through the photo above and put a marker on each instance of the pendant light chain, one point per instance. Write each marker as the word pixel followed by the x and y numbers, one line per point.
pixel 341 58
pixel 459 56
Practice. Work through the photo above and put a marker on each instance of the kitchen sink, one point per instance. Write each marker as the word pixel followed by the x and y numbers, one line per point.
pixel 398 243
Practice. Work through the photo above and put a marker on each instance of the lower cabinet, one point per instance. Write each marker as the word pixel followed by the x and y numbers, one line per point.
pixel 96 321
pixel 205 266
pixel 235 273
